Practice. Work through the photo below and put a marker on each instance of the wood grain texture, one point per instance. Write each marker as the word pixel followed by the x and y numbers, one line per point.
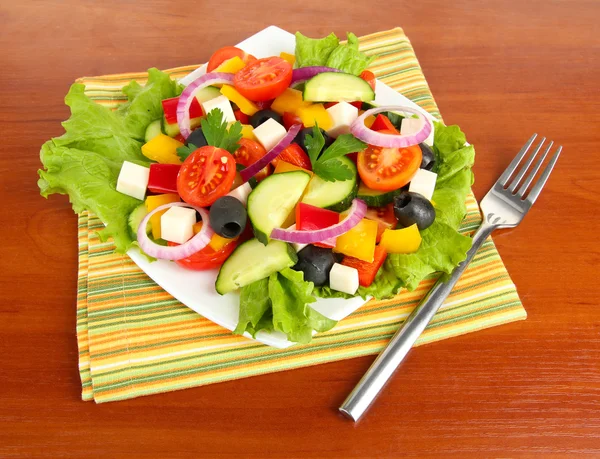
pixel 501 70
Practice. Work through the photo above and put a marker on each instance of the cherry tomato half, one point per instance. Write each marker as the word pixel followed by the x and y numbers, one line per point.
pixel 388 169
pixel 207 258
pixel 294 154
pixel 226 53
pixel 289 119
pixel 263 79
pixel 249 152
pixel 205 176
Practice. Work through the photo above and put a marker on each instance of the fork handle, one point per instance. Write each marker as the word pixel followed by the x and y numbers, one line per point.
pixel 390 358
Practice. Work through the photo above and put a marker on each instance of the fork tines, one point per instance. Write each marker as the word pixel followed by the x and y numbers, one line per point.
pixel 519 184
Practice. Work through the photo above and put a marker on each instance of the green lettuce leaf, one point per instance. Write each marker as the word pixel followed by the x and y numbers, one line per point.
pixel 254 302
pixel 86 160
pixel 347 57
pixel 314 51
pixel 281 302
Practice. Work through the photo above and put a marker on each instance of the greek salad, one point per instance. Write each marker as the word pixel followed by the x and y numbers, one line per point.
pixel 280 172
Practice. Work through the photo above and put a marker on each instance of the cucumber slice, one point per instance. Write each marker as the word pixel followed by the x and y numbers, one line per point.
pixel 208 93
pixel 152 130
pixel 337 87
pixel 252 261
pixel 170 129
pixel 136 217
pixel 376 198
pixel 273 200
pixel 336 196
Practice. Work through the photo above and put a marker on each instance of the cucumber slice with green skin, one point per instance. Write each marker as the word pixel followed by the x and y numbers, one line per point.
pixel 252 261
pixel 273 200
pixel 152 130
pixel 170 129
pixel 336 196
pixel 337 87
pixel 136 217
pixel 376 198
pixel 208 93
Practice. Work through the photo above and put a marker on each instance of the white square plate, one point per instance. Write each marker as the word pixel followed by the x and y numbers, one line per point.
pixel 196 289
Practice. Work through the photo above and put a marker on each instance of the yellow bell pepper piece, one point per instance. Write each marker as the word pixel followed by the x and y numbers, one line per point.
pixel 369 120
pixel 246 106
pixel 315 113
pixel 405 240
pixel 284 166
pixel 360 241
pixel 162 149
pixel 288 57
pixel 216 242
pixel 152 202
pixel 248 132
pixel 289 100
pixel 232 65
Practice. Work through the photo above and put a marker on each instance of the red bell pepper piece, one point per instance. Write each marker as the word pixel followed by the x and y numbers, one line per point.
pixel 367 271
pixel 241 117
pixel 310 218
pixel 170 109
pixel 383 123
pixel 163 178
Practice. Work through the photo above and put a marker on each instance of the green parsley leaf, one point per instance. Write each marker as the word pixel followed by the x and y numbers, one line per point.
pixel 216 133
pixel 344 144
pixel 332 170
pixel 314 144
pixel 185 151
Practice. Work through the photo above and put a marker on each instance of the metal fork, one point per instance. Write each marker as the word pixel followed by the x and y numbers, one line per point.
pixel 504 206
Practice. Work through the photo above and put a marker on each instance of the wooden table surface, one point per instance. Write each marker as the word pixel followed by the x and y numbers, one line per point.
pixel 501 70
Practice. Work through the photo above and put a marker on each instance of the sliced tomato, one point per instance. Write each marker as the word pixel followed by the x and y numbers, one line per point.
pixel 263 104
pixel 384 216
pixel 369 77
pixel 367 271
pixel 294 154
pixel 264 79
pixel 205 176
pixel 226 53
pixel 388 169
pixel 289 119
pixel 353 157
pixel 249 152
pixel 179 138
pixel 207 258
pixel 383 123
pixel 241 117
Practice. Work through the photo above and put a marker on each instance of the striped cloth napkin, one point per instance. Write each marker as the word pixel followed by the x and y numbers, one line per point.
pixel 135 339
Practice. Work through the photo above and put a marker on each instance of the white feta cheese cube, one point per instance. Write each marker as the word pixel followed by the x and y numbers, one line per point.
pixel 176 224
pixel 297 246
pixel 423 183
pixel 413 125
pixel 343 279
pixel 343 115
pixel 269 133
pixel 241 193
pixel 133 180
pixel 223 103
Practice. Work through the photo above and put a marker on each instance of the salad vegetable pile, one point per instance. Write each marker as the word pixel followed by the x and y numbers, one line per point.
pixel 279 172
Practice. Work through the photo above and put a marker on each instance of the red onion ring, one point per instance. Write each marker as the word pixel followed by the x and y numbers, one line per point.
pixel 306 73
pixel 188 94
pixel 195 244
pixel 257 166
pixel 361 132
pixel 356 213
